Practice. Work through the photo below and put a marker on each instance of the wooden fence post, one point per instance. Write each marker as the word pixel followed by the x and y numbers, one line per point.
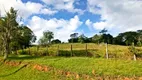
pixel 29 51
pixel 37 50
pixel 86 50
pixel 106 50
pixel 57 50
pixel 47 51
pixel 71 50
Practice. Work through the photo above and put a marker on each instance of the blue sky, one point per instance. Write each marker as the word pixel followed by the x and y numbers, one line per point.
pixel 64 17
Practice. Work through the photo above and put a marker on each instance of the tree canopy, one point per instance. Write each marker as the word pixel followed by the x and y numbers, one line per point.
pixel 46 39
pixel 12 34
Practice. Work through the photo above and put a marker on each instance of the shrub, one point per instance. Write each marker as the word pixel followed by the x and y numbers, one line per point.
pixel 22 52
pixel 64 53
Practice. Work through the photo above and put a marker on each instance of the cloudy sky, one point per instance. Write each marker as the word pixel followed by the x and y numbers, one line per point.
pixel 88 17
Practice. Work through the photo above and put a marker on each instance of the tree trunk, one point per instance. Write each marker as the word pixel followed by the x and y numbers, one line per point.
pixel 7 50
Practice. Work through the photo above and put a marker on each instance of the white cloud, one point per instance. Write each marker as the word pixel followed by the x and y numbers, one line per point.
pixel 63 5
pixel 25 9
pixel 117 14
pixel 89 24
pixel 97 25
pixel 61 28
pixel 100 25
pixel 48 11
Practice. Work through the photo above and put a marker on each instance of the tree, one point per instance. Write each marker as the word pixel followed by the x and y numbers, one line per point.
pixel 106 38
pixel 23 38
pixel 133 51
pixel 73 40
pixel 96 38
pixel 56 41
pixel 46 39
pixel 139 43
pixel 103 31
pixel 126 38
pixel 82 38
pixel 8 26
pixel 73 36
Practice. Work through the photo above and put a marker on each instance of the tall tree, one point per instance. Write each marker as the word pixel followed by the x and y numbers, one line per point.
pixel 73 36
pixel 96 38
pixel 8 26
pixel 127 38
pixel 56 41
pixel 139 43
pixel 24 37
pixel 82 38
pixel 47 36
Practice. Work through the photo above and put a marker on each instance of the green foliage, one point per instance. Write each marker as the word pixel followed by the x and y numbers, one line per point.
pixel 46 39
pixel 132 49
pixel 139 43
pixel 13 35
pixel 8 28
pixel 64 53
pixel 106 38
pixel 96 38
pixel 127 38
pixel 22 52
pixel 74 35
pixel 103 31
pixel 56 41
pixel 82 38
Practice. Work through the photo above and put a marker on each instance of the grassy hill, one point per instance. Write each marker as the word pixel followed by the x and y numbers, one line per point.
pixel 81 67
pixel 93 50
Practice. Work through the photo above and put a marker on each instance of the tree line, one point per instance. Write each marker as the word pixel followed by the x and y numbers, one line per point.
pixel 126 38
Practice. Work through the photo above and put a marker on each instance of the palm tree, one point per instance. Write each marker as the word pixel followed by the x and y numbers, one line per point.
pixel 8 26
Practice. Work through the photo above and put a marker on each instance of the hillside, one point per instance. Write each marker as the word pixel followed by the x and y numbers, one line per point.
pixel 53 66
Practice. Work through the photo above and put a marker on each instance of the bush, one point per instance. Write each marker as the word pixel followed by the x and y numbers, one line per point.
pixel 139 44
pixel 22 52
pixel 64 53
pixel 76 53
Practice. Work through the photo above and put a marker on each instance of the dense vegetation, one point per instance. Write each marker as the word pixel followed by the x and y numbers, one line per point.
pixel 126 38
pixel 14 36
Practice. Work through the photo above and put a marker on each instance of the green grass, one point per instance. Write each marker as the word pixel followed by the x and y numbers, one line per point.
pixel 85 65
pixel 94 50
pixel 6 73
pixel 79 65
pixel 101 66
pixel 79 49
pixel 122 66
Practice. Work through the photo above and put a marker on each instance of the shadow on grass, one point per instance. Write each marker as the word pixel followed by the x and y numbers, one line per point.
pixel 22 57
pixel 14 71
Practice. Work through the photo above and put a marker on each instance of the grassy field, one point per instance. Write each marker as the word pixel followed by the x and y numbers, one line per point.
pixel 79 50
pixel 78 67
